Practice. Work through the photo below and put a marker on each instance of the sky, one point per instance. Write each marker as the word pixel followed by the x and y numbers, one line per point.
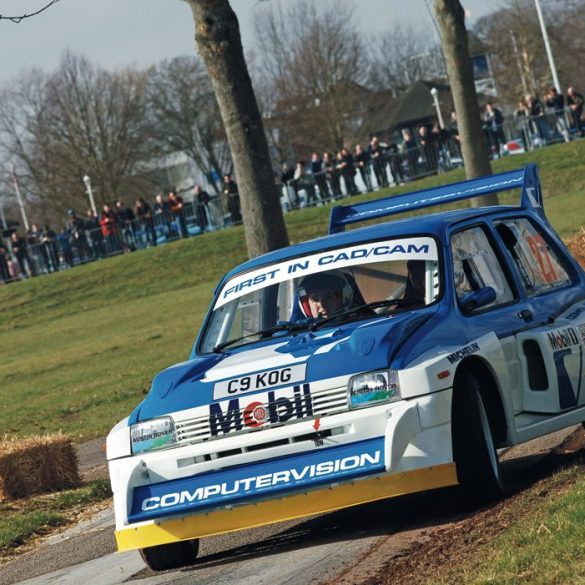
pixel 117 33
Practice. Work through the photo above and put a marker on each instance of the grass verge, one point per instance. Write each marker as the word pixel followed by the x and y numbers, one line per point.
pixel 23 521
pixel 79 348
pixel 534 536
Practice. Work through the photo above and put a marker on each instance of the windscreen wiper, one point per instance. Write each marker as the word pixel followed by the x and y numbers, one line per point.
pixel 361 309
pixel 283 326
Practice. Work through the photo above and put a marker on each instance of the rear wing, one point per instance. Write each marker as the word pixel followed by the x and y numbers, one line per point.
pixel 526 179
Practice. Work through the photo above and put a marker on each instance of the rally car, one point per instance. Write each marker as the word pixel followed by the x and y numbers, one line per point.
pixel 385 360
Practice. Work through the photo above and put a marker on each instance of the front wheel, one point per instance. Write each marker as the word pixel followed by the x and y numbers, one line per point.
pixel 474 450
pixel 170 556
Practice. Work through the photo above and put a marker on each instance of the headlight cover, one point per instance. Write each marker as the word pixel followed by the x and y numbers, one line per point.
pixel 373 388
pixel 149 435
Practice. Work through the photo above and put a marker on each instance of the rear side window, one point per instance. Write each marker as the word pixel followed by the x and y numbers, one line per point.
pixel 539 265
pixel 476 266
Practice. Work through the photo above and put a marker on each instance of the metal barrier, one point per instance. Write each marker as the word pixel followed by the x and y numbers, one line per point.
pixel 391 169
pixel 66 249
pixel 396 166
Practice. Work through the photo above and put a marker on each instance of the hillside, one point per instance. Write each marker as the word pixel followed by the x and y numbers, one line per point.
pixel 80 347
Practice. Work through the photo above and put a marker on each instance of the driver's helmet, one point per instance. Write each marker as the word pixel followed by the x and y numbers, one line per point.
pixel 320 295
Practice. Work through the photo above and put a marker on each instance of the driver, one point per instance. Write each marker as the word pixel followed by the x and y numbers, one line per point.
pixel 321 295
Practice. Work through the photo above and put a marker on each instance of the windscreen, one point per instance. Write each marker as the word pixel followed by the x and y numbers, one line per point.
pixel 363 281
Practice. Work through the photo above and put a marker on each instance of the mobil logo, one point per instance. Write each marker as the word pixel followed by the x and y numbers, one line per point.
pixel 270 408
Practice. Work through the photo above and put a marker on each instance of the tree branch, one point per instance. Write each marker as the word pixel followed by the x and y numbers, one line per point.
pixel 18 19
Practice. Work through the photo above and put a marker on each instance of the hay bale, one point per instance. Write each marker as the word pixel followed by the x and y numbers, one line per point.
pixel 577 247
pixel 36 465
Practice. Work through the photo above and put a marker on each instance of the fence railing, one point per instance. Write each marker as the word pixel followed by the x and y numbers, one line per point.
pixel 72 247
pixel 396 166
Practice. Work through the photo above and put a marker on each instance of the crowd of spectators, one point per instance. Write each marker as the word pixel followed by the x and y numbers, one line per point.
pixel 428 149
pixel 538 121
pixel 116 229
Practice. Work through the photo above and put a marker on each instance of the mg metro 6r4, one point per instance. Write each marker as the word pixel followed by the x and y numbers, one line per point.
pixel 366 364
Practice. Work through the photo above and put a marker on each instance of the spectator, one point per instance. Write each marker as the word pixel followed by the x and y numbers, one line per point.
pixel 94 233
pixel 319 175
pixel 162 213
pixel 75 231
pixel 555 102
pixel 33 239
pixel 575 102
pixel 143 213
pixel 21 254
pixel 305 183
pixel 126 219
pixel 289 184
pixel 4 259
pixel 522 120
pixel 453 130
pixel 50 250
pixel 202 199
pixel 494 121
pixel 178 212
pixel 378 158
pixel 230 191
pixel 65 249
pixel 362 160
pixel 332 175
pixel 346 166
pixel 429 148
pixel 539 132
pixel 110 228
pixel 410 151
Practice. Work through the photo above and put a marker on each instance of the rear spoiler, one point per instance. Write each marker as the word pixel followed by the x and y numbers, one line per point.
pixel 526 179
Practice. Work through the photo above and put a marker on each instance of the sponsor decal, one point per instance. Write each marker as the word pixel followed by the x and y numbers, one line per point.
pixel 463 352
pixel 563 338
pixel 582 331
pixel 280 406
pixel 249 481
pixel 576 313
pixel 259 381
pixel 422 248
pixel 436 199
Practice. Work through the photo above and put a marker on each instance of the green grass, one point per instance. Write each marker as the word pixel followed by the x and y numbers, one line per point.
pixel 23 520
pixel 544 547
pixel 79 348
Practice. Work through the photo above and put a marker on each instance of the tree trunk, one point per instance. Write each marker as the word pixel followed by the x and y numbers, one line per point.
pixel 218 40
pixel 451 21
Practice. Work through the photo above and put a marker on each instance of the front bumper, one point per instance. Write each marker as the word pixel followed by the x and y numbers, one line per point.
pixel 356 457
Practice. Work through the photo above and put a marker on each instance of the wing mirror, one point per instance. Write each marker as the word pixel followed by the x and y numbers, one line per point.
pixel 478 299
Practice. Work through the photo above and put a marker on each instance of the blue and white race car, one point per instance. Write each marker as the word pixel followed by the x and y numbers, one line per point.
pixel 381 361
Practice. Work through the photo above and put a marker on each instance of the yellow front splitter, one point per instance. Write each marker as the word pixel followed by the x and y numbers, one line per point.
pixel 286 508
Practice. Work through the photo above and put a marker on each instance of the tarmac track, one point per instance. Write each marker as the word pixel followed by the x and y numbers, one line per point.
pixel 344 547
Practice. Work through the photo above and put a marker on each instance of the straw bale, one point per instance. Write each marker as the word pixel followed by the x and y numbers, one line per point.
pixel 577 247
pixel 36 465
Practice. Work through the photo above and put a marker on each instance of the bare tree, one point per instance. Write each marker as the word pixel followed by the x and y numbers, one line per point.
pixel 315 63
pixel 518 55
pixel 451 20
pixel 404 55
pixel 79 120
pixel 184 114
pixel 218 40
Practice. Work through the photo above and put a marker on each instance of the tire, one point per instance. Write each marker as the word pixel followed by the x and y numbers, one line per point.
pixel 474 450
pixel 170 556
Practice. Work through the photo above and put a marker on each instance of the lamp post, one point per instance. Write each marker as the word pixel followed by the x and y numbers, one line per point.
pixel 89 192
pixel 549 54
pixel 435 94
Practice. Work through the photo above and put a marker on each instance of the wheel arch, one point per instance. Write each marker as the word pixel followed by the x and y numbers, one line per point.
pixel 490 393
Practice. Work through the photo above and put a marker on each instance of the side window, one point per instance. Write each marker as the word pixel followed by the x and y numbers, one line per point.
pixel 539 266
pixel 476 266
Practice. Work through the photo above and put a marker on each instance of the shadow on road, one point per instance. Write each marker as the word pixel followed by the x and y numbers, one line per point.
pixel 413 512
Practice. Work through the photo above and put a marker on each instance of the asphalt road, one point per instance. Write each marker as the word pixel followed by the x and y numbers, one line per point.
pixel 342 547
